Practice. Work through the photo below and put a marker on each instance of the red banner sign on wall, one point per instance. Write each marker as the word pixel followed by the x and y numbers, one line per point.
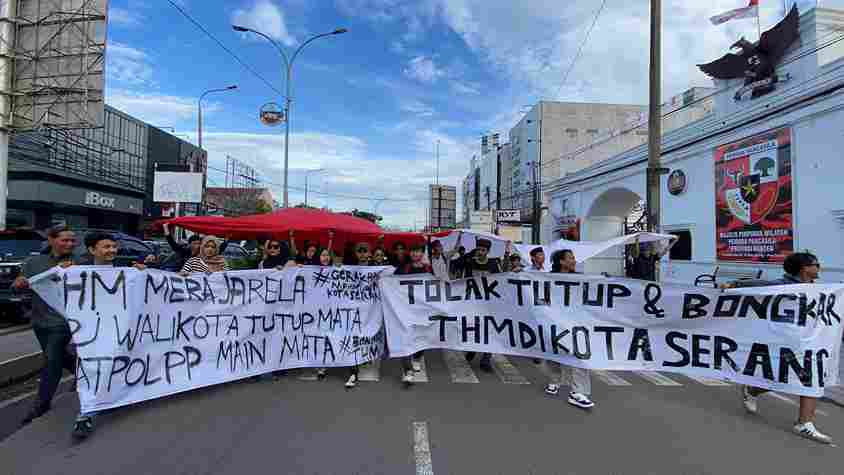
pixel 753 205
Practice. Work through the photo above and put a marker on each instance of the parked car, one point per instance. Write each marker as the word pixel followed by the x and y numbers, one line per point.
pixel 15 246
pixel 235 251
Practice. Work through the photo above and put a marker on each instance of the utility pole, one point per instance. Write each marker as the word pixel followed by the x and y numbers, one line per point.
pixel 655 169
pixel 537 182
pixel 439 192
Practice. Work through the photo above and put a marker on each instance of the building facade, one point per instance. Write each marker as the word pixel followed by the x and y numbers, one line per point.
pixel 442 207
pixel 750 183
pixel 86 178
pixel 551 130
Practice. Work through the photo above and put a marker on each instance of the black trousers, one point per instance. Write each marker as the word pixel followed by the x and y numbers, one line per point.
pixel 54 343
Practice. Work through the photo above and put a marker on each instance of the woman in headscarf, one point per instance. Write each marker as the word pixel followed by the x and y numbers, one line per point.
pixel 209 260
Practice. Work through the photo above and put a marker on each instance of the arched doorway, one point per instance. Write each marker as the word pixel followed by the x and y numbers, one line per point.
pixel 609 217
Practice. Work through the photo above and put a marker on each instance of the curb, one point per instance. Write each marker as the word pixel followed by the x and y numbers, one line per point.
pixel 15 329
pixel 20 368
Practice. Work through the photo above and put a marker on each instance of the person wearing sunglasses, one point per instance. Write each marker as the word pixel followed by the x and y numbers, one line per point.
pixel 276 254
pixel 800 268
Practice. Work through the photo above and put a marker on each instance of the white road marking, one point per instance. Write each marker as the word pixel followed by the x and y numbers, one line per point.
pixel 370 372
pixel 657 378
pixel 458 367
pixel 707 381
pixel 422 449
pixel 610 378
pixel 506 371
pixel 421 376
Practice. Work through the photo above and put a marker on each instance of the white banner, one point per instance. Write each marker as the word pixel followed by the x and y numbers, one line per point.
pixel 584 250
pixel 143 335
pixel 177 187
pixel 785 338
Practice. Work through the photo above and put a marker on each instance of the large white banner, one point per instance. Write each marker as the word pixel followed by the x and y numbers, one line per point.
pixel 584 250
pixel 146 334
pixel 784 338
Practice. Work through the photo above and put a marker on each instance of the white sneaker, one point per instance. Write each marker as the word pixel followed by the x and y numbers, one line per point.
pixel 352 381
pixel 320 374
pixel 407 378
pixel 552 389
pixel 748 400
pixel 580 400
pixel 809 431
pixel 417 365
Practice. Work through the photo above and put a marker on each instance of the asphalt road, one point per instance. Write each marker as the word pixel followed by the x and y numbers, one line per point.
pixel 503 424
pixel 18 344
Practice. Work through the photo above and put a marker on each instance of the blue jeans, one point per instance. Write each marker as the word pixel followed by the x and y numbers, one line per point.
pixel 53 341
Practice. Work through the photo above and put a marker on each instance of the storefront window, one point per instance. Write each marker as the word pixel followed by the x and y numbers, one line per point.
pixel 682 251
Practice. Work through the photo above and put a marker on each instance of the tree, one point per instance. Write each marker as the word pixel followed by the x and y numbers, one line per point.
pixel 240 201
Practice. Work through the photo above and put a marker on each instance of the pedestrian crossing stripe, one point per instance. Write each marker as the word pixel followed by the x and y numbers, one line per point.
pixel 461 372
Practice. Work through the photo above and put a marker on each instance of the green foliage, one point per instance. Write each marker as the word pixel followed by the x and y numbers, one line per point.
pixel 250 262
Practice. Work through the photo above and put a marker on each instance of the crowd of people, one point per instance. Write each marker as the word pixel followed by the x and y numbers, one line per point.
pixel 204 255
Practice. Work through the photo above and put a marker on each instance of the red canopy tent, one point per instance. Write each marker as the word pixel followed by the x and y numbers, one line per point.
pixel 309 225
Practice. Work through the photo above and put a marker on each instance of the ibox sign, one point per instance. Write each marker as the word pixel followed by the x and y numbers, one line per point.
pixel 92 198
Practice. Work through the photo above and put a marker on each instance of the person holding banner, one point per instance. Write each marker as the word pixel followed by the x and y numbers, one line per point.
pixel 800 268
pixel 476 264
pixel 440 261
pixel 276 255
pixel 416 265
pixel 645 260
pixel 564 262
pixel 209 260
pixel 50 327
pixel 360 257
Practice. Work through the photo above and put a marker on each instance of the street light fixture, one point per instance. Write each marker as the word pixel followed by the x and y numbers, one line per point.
pixel 199 115
pixel 288 66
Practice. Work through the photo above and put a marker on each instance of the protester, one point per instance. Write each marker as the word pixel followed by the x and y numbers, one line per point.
pixel 440 261
pixel 361 257
pixel 102 249
pixel 645 260
pixel 325 258
pixel 50 327
pixel 209 260
pixel 800 268
pixel 399 256
pixel 516 266
pixel 537 260
pixel 379 257
pixel 416 265
pixel 563 262
pixel 459 263
pixel 181 253
pixel 276 255
pixel 476 264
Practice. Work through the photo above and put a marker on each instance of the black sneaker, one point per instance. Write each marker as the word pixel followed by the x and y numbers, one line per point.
pixel 469 356
pixel 83 427
pixel 34 413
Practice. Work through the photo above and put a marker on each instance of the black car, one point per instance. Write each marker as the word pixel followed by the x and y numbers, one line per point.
pixel 15 246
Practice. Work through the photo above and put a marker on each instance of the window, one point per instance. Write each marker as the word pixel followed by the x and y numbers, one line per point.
pixel 682 251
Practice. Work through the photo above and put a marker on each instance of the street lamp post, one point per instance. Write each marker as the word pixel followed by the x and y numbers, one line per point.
pixel 288 66
pixel 199 137
pixel 307 175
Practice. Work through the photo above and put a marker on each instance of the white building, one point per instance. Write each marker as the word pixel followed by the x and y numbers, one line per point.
pixel 565 127
pixel 783 147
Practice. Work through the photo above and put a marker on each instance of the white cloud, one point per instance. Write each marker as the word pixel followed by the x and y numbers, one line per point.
pixel 124 17
pixel 156 109
pixel 465 88
pixel 423 69
pixel 416 107
pixel 352 169
pixel 266 17
pixel 128 65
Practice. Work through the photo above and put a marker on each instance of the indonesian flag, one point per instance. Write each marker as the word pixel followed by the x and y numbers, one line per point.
pixel 750 11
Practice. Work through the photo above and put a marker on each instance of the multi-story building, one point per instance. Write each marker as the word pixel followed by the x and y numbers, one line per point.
pixel 98 177
pixel 551 130
pixel 442 207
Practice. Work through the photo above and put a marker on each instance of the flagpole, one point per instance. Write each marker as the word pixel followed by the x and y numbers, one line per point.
pixel 758 24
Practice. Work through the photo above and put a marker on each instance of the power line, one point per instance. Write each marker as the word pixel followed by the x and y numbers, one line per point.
pixel 580 50
pixel 225 48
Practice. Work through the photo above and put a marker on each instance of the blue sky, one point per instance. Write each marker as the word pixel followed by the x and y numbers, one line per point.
pixel 370 105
